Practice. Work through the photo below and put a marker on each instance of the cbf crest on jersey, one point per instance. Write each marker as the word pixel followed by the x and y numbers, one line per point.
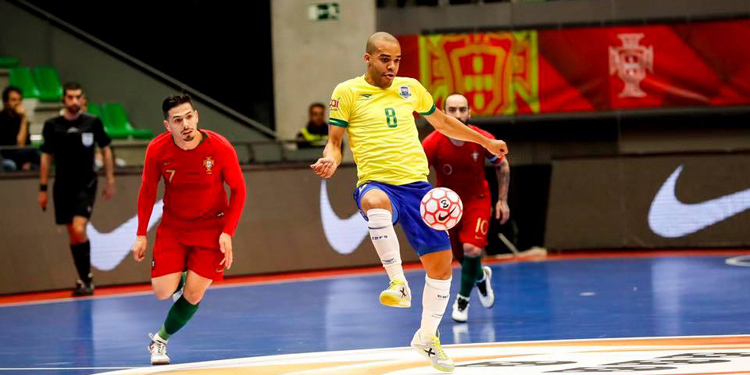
pixel 87 139
pixel 208 163
pixel 405 92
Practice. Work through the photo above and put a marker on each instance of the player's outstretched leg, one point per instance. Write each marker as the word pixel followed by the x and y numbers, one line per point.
pixel 377 207
pixel 426 340
pixel 180 313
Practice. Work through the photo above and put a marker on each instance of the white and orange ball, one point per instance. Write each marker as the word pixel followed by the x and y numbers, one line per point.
pixel 441 208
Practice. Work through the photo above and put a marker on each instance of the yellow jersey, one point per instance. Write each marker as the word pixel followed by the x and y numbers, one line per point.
pixel 381 128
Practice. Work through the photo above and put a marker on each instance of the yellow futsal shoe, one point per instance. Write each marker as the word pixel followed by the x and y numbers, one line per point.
pixel 429 347
pixel 398 294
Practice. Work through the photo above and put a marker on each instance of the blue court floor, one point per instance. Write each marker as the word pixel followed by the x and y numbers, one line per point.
pixel 539 300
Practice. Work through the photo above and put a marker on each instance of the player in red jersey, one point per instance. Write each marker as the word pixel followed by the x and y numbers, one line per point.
pixel 196 229
pixel 460 166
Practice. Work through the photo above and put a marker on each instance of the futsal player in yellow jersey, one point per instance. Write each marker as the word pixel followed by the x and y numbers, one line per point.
pixel 376 110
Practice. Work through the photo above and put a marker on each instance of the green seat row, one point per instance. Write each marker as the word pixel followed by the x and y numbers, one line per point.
pixel 42 82
pixel 8 62
pixel 116 122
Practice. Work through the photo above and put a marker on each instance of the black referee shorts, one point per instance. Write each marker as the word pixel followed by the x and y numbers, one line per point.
pixel 73 200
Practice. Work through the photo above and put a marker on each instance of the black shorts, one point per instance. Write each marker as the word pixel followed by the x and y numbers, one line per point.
pixel 73 200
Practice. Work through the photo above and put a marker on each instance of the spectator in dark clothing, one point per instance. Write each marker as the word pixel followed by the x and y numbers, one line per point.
pixel 14 131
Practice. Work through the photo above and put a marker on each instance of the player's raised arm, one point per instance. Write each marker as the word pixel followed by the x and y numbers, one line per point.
pixel 326 166
pixel 455 129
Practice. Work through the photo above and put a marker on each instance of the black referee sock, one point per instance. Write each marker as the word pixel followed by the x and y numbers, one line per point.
pixel 82 258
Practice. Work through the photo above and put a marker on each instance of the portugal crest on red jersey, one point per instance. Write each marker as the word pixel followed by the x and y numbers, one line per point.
pixel 208 163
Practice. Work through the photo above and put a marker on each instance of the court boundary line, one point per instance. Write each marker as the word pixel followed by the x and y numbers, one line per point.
pixel 36 298
pixel 558 342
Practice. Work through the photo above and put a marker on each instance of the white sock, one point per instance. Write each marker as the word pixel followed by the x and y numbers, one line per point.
pixel 384 239
pixel 434 301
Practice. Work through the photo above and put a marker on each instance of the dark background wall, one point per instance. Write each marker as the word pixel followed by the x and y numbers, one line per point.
pixel 222 49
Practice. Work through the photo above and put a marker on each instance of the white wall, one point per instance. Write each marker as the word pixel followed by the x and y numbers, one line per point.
pixel 311 57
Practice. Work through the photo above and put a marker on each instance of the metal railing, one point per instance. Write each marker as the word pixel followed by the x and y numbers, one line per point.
pixel 254 152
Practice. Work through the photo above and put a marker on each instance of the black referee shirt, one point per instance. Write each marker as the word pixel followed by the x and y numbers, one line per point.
pixel 72 145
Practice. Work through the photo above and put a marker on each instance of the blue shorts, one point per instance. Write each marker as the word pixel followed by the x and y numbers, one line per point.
pixel 405 200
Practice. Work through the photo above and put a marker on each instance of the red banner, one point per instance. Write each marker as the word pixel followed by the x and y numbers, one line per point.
pixel 587 69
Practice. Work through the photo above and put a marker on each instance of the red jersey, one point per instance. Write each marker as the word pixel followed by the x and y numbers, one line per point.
pixel 459 168
pixel 194 194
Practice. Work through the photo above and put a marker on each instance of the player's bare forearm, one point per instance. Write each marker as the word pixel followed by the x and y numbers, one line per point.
pixel 109 164
pixel 455 129
pixel 326 166
pixel 333 152
pixel 333 147
pixel 502 170
pixel 45 162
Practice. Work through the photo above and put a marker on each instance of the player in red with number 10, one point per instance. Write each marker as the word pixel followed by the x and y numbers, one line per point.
pixel 196 229
pixel 460 166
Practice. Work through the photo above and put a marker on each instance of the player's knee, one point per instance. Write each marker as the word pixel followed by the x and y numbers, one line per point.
pixel 78 232
pixel 375 199
pixel 440 271
pixel 471 250
pixel 162 294
pixel 193 296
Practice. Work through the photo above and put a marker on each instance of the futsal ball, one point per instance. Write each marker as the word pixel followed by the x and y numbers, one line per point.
pixel 441 208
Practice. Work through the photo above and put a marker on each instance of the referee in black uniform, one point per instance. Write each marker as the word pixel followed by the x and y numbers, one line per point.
pixel 69 141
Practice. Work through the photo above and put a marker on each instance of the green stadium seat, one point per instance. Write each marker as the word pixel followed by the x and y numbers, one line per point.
pixel 8 63
pixel 120 127
pixel 22 78
pixel 48 82
pixel 94 109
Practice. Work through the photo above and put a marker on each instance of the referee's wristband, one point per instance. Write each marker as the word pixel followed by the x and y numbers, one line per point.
pixel 43 187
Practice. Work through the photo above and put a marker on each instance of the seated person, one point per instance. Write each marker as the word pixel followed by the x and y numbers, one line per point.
pixel 315 134
pixel 14 131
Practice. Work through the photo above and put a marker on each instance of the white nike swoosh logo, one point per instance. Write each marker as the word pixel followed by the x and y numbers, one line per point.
pixel 344 235
pixel 109 249
pixel 670 218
